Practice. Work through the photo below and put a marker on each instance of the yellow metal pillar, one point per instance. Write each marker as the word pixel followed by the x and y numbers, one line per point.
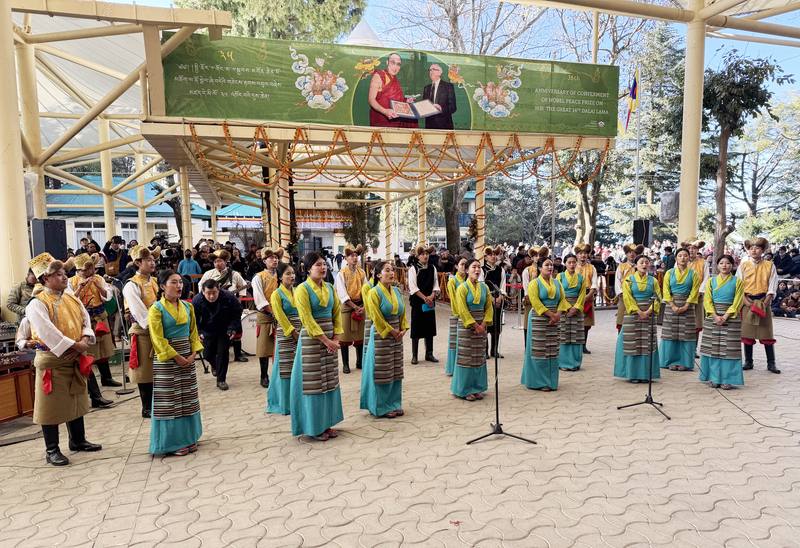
pixel 214 222
pixel 140 201
pixel 186 208
pixel 106 174
pixel 387 225
pixel 29 111
pixel 692 119
pixel 14 246
pixel 480 207
pixel 285 213
pixel 422 213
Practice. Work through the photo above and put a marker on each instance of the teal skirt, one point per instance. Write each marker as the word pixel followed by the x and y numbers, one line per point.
pixel 378 399
pixel 677 353
pixel 570 356
pixel 721 371
pixel 540 373
pixel 170 435
pixel 278 391
pixel 634 367
pixel 469 380
pixel 312 414
pixel 450 364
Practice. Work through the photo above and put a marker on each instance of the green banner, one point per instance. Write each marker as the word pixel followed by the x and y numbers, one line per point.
pixel 298 82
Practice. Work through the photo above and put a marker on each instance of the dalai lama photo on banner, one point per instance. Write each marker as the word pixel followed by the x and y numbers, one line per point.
pixel 383 89
pixel 443 95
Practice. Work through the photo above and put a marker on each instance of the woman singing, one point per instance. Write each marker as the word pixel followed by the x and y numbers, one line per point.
pixel 679 333
pixel 540 369
pixel 474 310
pixel 316 399
pixel 382 377
pixel 286 336
pixel 570 351
pixel 176 424
pixel 453 283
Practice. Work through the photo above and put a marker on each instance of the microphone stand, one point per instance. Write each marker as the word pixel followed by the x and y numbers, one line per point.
pixel 124 390
pixel 497 426
pixel 648 399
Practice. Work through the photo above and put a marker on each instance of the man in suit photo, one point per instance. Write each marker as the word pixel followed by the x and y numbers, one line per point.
pixel 443 95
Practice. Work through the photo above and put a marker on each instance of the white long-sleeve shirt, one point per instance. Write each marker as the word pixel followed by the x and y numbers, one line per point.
pixel 133 300
pixel 258 292
pixel 45 329
pixel 412 280
pixel 236 285
pixel 23 333
pixel 526 279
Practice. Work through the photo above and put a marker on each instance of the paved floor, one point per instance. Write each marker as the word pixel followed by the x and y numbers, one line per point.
pixel 598 477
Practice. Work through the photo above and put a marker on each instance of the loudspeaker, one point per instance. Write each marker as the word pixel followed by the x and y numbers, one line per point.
pixel 49 235
pixel 642 232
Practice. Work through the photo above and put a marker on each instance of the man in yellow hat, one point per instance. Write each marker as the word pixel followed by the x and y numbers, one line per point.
pixel 62 333
pixel 140 292
pixel 264 283
pixel 760 284
pixel 348 283
pixel 589 273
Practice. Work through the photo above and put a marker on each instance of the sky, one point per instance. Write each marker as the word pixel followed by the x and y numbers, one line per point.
pixel 786 57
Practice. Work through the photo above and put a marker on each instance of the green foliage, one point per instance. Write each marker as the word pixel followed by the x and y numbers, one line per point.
pixel 777 226
pixel 310 20
pixel 365 224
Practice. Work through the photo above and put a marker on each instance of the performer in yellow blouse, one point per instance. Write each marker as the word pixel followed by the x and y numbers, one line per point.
pixel 315 397
pixel 681 288
pixel 453 283
pixel 176 424
pixel 286 336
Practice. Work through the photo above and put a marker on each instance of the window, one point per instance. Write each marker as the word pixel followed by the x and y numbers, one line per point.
pixel 130 231
pixel 94 230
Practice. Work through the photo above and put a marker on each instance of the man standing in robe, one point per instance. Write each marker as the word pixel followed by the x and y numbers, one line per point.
pixel 348 284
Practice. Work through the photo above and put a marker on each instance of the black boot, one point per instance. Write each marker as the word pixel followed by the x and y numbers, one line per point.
pixel 263 363
pixel 77 437
pixel 95 394
pixel 53 453
pixel 770 349
pixel 359 355
pixel 146 395
pixel 586 339
pixel 105 374
pixel 237 351
pixel 345 360
pixel 429 350
pixel 414 351
pixel 748 357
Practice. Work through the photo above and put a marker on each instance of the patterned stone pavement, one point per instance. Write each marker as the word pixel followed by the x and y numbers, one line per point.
pixel 712 476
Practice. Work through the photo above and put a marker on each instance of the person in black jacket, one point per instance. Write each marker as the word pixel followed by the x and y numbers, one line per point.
pixel 219 318
pixel 443 95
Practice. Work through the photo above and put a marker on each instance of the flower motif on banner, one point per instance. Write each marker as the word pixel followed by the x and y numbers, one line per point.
pixel 319 87
pixel 498 99
pixel 367 66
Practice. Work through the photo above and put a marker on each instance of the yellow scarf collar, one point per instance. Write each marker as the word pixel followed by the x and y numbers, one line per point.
pixel 572 279
pixel 179 314
pixel 390 295
pixel 289 296
pixel 723 279
pixel 550 286
pixel 476 291
pixel 681 277
pixel 641 283
pixel 321 290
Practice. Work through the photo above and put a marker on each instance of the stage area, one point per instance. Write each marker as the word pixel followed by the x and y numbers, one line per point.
pixel 599 477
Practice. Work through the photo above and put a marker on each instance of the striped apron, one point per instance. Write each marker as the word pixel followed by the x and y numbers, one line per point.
pixel 388 355
pixel 572 331
pixel 286 347
pixel 175 387
pixel 722 341
pixel 471 345
pixel 636 332
pixel 544 345
pixel 320 368
pixel 452 333
pixel 679 327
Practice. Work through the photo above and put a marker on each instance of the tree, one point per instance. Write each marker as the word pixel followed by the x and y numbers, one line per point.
pixel 365 221
pixel 733 95
pixel 310 20
pixel 780 226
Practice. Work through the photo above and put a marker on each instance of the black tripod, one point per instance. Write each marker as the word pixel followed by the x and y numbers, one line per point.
pixel 497 426
pixel 648 399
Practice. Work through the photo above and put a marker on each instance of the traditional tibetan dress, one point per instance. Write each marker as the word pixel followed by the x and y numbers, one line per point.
pixel 540 368
pixel 264 283
pixel 140 293
pixel 365 289
pixel 637 337
pixel 176 421
pixel 453 283
pixel 759 280
pixel 382 376
pixel 315 396
pixel 94 303
pixel 474 306
pixel 348 284
pixel 288 321
pixel 701 271
pixel 589 274
pixel 679 332
pixel 57 321
pixel 573 337
pixel 720 348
